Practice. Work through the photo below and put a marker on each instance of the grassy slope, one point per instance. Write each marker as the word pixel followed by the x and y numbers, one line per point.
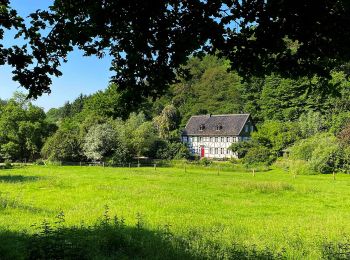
pixel 271 209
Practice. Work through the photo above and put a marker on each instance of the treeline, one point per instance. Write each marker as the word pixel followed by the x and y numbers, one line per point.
pixel 86 134
pixel 298 118
pixel 94 137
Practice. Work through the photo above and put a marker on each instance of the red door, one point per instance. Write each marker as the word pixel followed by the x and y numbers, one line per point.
pixel 202 151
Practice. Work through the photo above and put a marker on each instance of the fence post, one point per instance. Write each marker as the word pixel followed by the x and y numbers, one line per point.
pixel 129 165
pixel 334 176
pixel 155 167
pixel 80 164
pixel 103 164
pixel 253 172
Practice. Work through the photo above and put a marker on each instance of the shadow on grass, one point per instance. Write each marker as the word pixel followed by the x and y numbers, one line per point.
pixel 102 242
pixel 17 178
pixel 111 239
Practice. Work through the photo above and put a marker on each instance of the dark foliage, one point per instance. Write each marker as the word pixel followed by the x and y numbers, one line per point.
pixel 110 238
pixel 149 40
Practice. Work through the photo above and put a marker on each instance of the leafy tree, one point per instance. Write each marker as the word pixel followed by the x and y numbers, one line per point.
pixel 100 142
pixel 149 41
pixel 170 150
pixel 277 135
pixel 121 154
pixel 242 148
pixel 133 122
pixel 143 138
pixel 167 121
pixel 311 123
pixel 105 103
pixel 208 88
pixel 9 151
pixel 344 136
pixel 22 126
pixel 54 115
pixel 64 145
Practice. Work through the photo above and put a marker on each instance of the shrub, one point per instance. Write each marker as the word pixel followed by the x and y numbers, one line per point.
pixel 234 160
pixel 300 167
pixel 205 161
pixel 241 148
pixel 39 162
pixel 170 150
pixel 7 164
pixel 258 155
pixel 319 152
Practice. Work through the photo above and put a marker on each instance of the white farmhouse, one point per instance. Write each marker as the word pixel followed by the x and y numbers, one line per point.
pixel 211 135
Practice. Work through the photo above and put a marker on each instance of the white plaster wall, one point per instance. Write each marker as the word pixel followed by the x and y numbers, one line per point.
pixel 212 145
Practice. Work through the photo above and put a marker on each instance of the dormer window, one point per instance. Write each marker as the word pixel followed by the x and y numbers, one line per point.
pixel 218 127
pixel 201 127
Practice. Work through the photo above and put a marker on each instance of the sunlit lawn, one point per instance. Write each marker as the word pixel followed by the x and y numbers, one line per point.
pixel 271 209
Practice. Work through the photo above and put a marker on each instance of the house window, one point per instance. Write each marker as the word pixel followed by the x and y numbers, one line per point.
pixel 216 150
pixel 211 150
pixel 218 127
pixel 227 151
pixel 195 139
pixel 246 128
pixel 228 139
pixel 201 127
pixel 190 139
pixel 216 139
pixel 184 139
pixel 200 139
pixel 251 128
pixel 222 151
pixel 211 139
pixel 222 139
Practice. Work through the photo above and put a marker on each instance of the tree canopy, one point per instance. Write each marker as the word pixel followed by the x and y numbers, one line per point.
pixel 150 40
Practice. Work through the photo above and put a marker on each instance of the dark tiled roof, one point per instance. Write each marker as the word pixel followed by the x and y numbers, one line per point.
pixel 232 124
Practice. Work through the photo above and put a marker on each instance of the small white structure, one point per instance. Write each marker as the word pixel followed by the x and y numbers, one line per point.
pixel 210 136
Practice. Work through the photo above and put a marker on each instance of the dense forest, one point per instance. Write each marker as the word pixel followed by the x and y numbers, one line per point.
pixel 302 120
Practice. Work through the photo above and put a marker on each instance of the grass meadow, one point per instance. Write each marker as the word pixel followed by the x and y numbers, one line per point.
pixel 170 213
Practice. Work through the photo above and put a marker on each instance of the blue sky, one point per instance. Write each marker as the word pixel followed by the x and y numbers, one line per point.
pixel 80 75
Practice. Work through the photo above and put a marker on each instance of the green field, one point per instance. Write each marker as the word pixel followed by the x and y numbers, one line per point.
pixel 295 216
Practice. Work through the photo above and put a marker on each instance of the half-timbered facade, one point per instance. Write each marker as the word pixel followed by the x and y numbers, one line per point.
pixel 211 135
